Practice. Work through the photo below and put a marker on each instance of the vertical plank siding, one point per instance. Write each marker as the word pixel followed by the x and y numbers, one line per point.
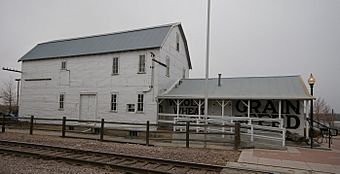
pixel 92 74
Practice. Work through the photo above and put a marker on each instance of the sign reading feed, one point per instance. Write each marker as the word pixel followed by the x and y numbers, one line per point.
pixel 290 110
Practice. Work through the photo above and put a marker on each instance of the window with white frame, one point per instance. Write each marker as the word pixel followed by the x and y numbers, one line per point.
pixel 115 66
pixel 63 65
pixel 183 76
pixel 167 62
pixel 140 103
pixel 141 67
pixel 130 107
pixel 177 42
pixel 61 101
pixel 114 102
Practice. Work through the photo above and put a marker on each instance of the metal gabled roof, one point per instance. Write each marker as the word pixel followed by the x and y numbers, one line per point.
pixel 146 38
pixel 277 87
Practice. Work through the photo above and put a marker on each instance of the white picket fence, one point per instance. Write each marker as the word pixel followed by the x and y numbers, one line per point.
pixel 249 127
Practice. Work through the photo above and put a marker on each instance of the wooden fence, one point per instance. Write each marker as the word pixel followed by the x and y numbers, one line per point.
pixel 150 131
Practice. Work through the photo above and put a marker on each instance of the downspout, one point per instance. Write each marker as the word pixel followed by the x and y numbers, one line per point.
pixel 152 78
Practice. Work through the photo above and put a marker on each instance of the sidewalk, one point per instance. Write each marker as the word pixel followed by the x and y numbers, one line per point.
pixel 293 160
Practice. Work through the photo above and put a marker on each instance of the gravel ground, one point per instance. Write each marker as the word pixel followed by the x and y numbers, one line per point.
pixel 16 164
pixel 11 164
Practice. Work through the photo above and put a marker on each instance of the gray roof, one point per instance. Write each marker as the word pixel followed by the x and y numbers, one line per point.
pixel 146 38
pixel 278 87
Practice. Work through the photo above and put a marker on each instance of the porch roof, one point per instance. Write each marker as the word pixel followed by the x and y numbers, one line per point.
pixel 274 87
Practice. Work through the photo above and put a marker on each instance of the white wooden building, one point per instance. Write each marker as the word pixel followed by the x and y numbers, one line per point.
pixel 143 75
pixel 114 76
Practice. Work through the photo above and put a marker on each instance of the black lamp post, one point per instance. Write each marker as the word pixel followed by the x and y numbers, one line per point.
pixel 311 81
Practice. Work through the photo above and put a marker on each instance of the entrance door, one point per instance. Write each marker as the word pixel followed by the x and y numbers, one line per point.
pixel 87 107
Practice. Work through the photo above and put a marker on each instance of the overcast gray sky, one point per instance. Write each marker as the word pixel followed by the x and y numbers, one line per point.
pixel 248 37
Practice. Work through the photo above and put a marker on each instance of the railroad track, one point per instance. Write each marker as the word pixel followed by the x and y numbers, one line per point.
pixel 128 163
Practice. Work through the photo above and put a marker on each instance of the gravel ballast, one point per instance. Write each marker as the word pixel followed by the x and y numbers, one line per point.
pixel 11 164
pixel 201 155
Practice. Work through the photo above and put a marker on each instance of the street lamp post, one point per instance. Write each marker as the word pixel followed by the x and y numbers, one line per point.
pixel 311 81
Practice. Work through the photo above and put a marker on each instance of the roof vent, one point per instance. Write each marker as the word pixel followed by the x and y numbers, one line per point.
pixel 219 80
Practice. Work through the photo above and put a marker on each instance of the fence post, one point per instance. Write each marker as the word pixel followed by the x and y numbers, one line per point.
pixel 3 122
pixel 187 134
pixel 31 125
pixel 251 133
pixel 147 133
pixel 63 127
pixel 284 137
pixel 237 136
pixel 102 130
pixel 329 138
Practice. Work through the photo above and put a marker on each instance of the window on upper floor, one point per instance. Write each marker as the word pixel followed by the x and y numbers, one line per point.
pixel 114 102
pixel 141 66
pixel 140 103
pixel 61 101
pixel 63 65
pixel 115 66
pixel 183 75
pixel 167 62
pixel 177 42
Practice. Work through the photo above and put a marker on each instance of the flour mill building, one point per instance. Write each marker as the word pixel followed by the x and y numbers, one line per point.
pixel 143 74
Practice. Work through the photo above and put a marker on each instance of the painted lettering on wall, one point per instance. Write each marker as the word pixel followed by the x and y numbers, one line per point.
pixel 290 109
pixel 188 107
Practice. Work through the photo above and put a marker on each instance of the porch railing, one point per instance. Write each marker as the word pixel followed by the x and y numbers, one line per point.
pixel 247 127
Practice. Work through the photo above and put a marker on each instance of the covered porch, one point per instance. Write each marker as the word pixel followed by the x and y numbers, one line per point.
pixel 265 106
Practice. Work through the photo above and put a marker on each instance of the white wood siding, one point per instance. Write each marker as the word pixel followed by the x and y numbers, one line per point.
pixel 178 61
pixel 92 75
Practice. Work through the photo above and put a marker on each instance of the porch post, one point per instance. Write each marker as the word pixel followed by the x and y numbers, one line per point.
pixel 249 122
pixel 280 106
pixel 199 108
pixel 157 110
pixel 223 110
pixel 177 103
pixel 199 113
pixel 222 106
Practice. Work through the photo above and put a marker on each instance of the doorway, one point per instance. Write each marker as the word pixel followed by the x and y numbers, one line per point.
pixel 88 107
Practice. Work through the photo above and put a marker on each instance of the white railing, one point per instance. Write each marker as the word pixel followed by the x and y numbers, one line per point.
pixel 252 130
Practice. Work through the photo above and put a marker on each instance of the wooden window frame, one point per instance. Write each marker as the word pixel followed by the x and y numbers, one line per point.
pixel 63 65
pixel 61 101
pixel 114 102
pixel 115 66
pixel 183 71
pixel 167 62
pixel 177 42
pixel 128 107
pixel 141 64
pixel 140 103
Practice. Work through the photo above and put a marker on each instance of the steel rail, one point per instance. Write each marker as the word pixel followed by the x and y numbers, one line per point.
pixel 105 159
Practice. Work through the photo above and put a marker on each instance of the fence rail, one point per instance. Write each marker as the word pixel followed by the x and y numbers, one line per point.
pixel 226 125
pixel 151 132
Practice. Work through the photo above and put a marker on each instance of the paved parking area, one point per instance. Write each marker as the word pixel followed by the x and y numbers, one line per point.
pixel 295 159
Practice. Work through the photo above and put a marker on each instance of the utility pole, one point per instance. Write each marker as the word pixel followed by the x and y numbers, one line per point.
pixel 206 74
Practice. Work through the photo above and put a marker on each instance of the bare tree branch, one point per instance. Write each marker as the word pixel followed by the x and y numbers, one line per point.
pixel 8 95
pixel 322 112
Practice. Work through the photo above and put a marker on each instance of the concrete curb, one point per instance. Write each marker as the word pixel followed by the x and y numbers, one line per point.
pixel 272 168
